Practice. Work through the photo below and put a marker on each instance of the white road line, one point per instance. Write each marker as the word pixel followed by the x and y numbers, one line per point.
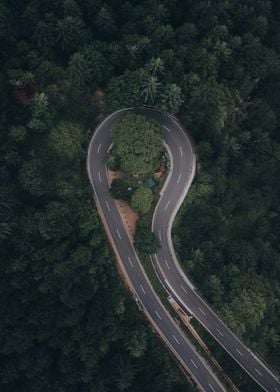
pixel 204 314
pixel 181 151
pixel 119 234
pixel 211 387
pixel 159 235
pixel 256 370
pixel 167 265
pixel 167 204
pixel 275 389
pixel 99 176
pixel 108 205
pixel 142 288
pixel 176 340
pixel 183 288
pixel 130 262
pixel 168 130
pixel 179 178
pixel 194 364
pixel 219 332
pixel 239 352
pixel 98 150
pixel 156 312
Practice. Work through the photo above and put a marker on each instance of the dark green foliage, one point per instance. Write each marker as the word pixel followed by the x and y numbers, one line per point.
pixel 145 241
pixel 137 144
pixel 141 200
pixel 66 324
pixel 120 189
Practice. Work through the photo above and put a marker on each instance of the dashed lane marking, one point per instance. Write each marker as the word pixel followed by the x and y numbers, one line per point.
pixel 194 364
pixel 167 265
pixel 239 352
pixel 167 204
pixel 201 311
pixel 181 151
pixel 119 235
pixel 142 288
pixel 257 371
pixel 108 205
pixel 168 130
pixel 179 178
pixel 98 150
pixel 99 176
pixel 176 340
pixel 159 235
pixel 212 388
pixel 183 288
pixel 219 332
pixel 130 262
pixel 158 315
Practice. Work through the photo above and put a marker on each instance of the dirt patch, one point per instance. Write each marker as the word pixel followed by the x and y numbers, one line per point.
pixel 129 217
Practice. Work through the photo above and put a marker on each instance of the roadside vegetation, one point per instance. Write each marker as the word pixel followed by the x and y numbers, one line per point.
pixel 66 321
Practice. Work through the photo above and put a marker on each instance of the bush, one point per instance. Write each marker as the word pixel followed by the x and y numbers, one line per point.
pixel 145 241
pixel 142 199
pixel 120 189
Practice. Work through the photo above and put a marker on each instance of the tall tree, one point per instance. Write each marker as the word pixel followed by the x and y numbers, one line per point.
pixel 137 143
pixel 150 89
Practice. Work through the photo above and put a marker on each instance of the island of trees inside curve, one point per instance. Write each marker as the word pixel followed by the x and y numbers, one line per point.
pixel 138 153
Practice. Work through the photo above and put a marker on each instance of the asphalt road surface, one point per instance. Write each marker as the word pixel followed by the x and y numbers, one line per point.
pixel 165 262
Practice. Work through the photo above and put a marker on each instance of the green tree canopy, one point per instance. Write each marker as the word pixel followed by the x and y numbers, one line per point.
pixel 171 98
pixel 142 199
pixel 145 240
pixel 65 140
pixel 120 189
pixel 138 143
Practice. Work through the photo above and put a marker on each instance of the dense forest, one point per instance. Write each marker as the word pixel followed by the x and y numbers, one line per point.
pixel 66 321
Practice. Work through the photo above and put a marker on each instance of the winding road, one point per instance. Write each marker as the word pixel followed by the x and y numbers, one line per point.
pixel 182 172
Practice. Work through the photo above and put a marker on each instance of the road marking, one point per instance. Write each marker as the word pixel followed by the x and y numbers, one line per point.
pixel 119 234
pixel 179 178
pixel 99 176
pixel 167 205
pixel 181 151
pixel 183 288
pixel 156 312
pixel 167 265
pixel 142 288
pixel 168 130
pixel 98 150
pixel 239 352
pixel 219 332
pixel 275 389
pixel 159 235
pixel 204 314
pixel 176 340
pixel 256 370
pixel 130 262
pixel 211 387
pixel 108 205
pixel 194 364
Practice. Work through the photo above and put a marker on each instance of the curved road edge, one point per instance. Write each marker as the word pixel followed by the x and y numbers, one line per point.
pixel 165 261
pixel 210 382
